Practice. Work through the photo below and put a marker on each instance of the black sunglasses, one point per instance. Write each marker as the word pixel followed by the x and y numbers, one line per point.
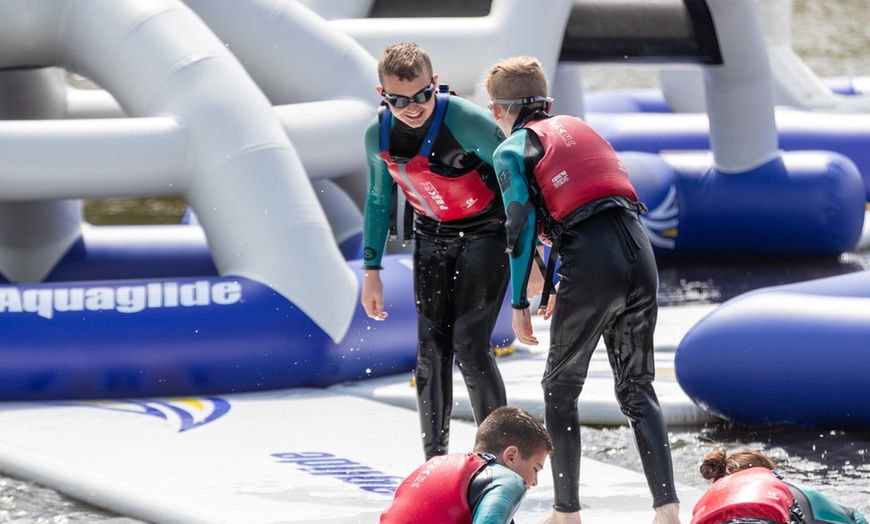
pixel 421 96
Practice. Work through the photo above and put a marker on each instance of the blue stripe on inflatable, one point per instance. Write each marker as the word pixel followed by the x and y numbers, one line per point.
pixel 193 336
pixel 846 134
pixel 807 203
pixel 184 336
pixel 651 100
pixel 794 354
pixel 111 252
pixel 351 248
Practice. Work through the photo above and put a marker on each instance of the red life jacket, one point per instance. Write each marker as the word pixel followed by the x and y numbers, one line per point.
pixel 578 166
pixel 753 492
pixel 435 196
pixel 437 492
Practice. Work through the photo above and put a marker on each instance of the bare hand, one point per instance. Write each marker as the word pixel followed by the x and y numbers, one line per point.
pixel 372 297
pixel 522 324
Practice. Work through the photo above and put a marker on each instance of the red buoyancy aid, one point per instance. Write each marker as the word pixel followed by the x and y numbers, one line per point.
pixel 435 196
pixel 754 492
pixel 436 492
pixel 578 166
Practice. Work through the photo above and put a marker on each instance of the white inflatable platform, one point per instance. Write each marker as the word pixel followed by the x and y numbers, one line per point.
pixel 522 372
pixel 281 457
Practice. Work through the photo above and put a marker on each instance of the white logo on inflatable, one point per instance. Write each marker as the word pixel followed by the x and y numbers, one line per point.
pixel 124 299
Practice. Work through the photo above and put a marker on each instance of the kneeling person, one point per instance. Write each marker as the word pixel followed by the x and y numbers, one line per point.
pixel 485 486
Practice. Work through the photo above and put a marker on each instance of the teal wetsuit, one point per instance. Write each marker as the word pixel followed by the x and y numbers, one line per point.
pixel 757 495
pixel 460 488
pixel 460 266
pixel 816 508
pixel 495 495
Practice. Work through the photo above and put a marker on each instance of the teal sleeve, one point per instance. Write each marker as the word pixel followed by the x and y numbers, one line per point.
pixel 473 128
pixel 502 499
pixel 376 217
pixel 514 183
pixel 826 510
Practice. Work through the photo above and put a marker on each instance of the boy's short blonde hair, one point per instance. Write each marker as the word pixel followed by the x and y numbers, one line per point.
pixel 516 78
pixel 405 61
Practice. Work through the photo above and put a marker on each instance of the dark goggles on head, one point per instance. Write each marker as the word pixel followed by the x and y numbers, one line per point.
pixel 421 96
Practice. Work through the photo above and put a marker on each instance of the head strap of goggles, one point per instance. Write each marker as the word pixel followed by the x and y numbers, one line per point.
pixel 524 101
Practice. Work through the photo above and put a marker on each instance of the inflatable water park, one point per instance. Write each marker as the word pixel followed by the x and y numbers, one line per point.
pixel 243 324
pixel 257 294
pixel 791 354
pixel 272 177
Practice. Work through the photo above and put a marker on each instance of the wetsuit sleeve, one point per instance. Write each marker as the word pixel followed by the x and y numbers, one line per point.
pixel 473 128
pixel 502 498
pixel 376 217
pixel 514 184
pixel 826 510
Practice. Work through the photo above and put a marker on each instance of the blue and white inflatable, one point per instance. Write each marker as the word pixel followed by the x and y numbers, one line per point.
pixel 197 126
pixel 258 294
pixel 204 100
pixel 724 186
pixel 794 354
pixel 738 154
pixel 189 335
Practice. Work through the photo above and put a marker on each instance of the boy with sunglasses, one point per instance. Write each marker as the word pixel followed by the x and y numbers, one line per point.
pixel 561 181
pixel 437 148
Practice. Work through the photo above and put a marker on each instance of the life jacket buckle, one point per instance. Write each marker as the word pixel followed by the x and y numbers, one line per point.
pixel 556 230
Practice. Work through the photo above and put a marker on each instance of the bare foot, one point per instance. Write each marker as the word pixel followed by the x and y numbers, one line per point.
pixel 668 514
pixel 558 517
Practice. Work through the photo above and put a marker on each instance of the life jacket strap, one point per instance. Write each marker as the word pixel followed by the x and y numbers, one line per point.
pixel 549 287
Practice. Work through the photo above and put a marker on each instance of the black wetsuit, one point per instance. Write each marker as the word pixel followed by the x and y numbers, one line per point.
pixel 460 269
pixel 608 285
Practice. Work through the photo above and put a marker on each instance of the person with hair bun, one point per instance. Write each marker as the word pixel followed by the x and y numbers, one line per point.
pixel 748 490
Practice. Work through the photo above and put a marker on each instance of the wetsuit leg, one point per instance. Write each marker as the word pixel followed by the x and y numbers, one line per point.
pixel 481 280
pixel 591 291
pixel 629 342
pixel 434 266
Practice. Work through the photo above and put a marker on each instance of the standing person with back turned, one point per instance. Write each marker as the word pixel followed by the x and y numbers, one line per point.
pixel 561 179
pixel 483 487
pixel 438 149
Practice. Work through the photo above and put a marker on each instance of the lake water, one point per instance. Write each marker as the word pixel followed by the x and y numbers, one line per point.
pixel 832 38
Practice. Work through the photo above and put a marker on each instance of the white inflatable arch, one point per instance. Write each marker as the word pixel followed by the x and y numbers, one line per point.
pixel 795 85
pixel 199 127
pixel 463 49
